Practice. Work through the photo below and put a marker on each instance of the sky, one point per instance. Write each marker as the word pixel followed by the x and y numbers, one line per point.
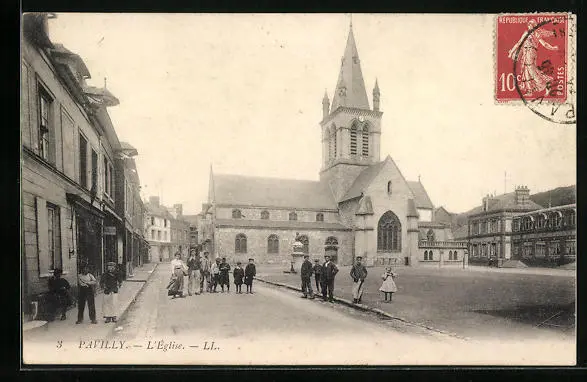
pixel 243 93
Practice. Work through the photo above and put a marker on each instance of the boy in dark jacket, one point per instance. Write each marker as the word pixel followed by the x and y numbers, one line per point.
pixel 59 294
pixel 224 268
pixel 250 273
pixel 238 274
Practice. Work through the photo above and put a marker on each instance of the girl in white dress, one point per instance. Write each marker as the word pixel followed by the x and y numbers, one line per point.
pixel 388 286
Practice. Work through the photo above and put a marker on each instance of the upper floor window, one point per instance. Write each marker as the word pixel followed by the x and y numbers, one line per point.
pixel 516 225
pixel 265 215
pixel 430 235
pixel 365 139
pixel 354 139
pixel 319 217
pixel 108 178
pixel 83 161
pixel 236 214
pixel 389 187
pixel 240 243
pixel 94 171
pixel 46 132
pixel 152 220
pixel 293 216
pixel 557 219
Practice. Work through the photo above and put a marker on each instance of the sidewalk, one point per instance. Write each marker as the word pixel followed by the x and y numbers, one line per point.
pixel 68 330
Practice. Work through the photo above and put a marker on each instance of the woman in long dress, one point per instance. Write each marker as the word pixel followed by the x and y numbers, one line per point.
pixel 388 286
pixel 533 79
pixel 178 270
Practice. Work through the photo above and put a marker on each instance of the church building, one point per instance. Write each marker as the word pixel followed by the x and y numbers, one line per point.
pixel 361 206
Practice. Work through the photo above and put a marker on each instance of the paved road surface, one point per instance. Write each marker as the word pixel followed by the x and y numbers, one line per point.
pixel 274 326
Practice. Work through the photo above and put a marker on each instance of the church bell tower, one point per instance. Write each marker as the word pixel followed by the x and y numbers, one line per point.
pixel 351 130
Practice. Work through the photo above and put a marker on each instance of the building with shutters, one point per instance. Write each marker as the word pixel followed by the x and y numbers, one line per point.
pixel 361 205
pixel 70 184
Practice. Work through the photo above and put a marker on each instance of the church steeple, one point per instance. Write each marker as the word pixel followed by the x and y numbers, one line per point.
pixel 376 95
pixel 325 105
pixel 350 88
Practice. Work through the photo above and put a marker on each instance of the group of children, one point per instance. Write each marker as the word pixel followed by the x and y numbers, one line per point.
pixel 221 271
pixel 60 289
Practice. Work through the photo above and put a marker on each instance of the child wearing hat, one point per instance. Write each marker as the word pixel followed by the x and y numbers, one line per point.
pixel 250 273
pixel 317 272
pixel 59 294
pixel 238 274
pixel 110 282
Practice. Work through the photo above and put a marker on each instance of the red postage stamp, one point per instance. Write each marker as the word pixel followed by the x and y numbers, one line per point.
pixel 531 57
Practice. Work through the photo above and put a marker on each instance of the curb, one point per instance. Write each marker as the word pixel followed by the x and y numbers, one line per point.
pixel 122 315
pixel 366 308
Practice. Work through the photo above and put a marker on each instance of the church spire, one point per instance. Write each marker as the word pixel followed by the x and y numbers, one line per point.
pixel 325 105
pixel 350 88
pixel 376 95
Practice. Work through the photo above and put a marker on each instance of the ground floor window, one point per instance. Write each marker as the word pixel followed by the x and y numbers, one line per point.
pixel 272 244
pixel 428 255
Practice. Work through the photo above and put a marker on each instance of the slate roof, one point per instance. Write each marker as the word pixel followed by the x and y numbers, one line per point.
pixel 284 224
pixel 506 202
pixel 363 180
pixel 272 192
pixel 159 210
pixel 461 232
pixel 422 199
pixel 351 78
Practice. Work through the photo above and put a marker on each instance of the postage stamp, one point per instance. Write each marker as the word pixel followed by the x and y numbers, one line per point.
pixel 531 57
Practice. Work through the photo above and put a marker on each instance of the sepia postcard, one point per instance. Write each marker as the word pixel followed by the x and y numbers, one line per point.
pixel 298 189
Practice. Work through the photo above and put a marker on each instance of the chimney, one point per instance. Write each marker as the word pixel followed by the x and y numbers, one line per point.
pixel 178 210
pixel 522 195
pixel 154 200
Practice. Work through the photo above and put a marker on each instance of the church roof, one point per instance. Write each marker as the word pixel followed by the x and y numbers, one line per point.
pixel 350 79
pixel 421 196
pixel 272 192
pixel 505 202
pixel 365 206
pixel 362 181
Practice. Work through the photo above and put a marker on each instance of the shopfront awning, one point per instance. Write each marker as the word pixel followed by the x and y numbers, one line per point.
pixel 83 205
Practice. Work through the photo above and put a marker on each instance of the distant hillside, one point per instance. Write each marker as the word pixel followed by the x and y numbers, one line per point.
pixel 557 197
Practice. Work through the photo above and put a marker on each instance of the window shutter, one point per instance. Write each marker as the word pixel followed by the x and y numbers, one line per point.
pixel 66 237
pixel 42 236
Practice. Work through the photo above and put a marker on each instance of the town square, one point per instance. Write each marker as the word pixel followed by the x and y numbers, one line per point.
pixel 297 189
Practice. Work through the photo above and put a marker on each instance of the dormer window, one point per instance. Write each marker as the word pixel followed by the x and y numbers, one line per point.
pixel 236 214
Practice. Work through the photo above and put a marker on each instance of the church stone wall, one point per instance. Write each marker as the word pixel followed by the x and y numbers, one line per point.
pixel 254 213
pixel 382 202
pixel 257 245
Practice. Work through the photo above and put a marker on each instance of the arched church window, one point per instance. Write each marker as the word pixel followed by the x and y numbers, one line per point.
pixel 450 255
pixel 389 231
pixel 273 244
pixel 430 235
pixel 331 242
pixel 293 216
pixel 425 255
pixel 430 256
pixel 240 243
pixel 236 214
pixel 354 139
pixel 365 139
pixel 319 217
pixel 265 215
pixel 304 240
pixel 389 187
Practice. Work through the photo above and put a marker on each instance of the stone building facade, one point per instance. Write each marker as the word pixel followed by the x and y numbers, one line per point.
pixel 360 205
pixel 547 235
pixel 490 225
pixel 69 149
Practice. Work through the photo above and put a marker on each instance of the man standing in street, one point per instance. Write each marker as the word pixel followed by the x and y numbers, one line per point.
pixel 193 264
pixel 317 272
pixel 329 271
pixel 205 266
pixel 358 274
pixel 306 273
